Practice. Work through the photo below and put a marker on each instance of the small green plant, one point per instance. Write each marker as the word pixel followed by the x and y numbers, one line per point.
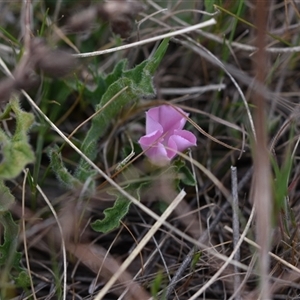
pixel 17 153
pixel 157 286
pixel 129 86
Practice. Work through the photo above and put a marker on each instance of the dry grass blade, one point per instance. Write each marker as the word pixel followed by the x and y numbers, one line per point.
pixel 219 272
pixel 25 241
pixel 236 227
pixel 189 257
pixel 208 55
pixel 141 245
pixel 150 40
pixel 63 246
pixel 192 90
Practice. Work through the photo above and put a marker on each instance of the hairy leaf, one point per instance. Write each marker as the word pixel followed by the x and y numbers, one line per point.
pixel 138 82
pixel 113 215
pixel 9 245
pixel 9 257
pixel 16 150
pixel 6 198
pixel 60 170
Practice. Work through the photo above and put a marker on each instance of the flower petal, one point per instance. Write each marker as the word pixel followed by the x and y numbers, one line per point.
pixel 164 134
pixel 152 123
pixel 150 139
pixel 154 149
pixel 158 155
pixel 168 117
pixel 172 148
pixel 180 141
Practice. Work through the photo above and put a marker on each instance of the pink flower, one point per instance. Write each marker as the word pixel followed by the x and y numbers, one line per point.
pixel 164 134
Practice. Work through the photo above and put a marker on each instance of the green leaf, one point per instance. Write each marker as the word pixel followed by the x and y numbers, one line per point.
pixel 161 206
pixel 157 286
pixel 6 113
pixel 60 170
pixel 6 198
pixel 282 177
pixel 186 176
pixel 102 84
pixel 16 150
pixel 9 257
pixel 183 173
pixel 113 215
pixel 116 74
pixel 209 5
pixel 8 252
pixel 195 260
pixel 138 83
pixel 22 280
pixel 9 36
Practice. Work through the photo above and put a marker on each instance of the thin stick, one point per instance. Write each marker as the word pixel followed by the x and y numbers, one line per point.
pixel 24 230
pixel 63 246
pixel 262 171
pixel 192 90
pixel 236 228
pixel 141 245
pixel 150 40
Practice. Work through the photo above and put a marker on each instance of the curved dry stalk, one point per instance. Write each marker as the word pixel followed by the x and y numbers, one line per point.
pixel 214 118
pixel 102 265
pixel 209 56
pixel 95 257
pixel 25 240
pixel 63 246
pixel 210 175
pixel 147 18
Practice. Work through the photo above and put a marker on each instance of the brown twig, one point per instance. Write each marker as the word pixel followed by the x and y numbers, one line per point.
pixel 261 184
